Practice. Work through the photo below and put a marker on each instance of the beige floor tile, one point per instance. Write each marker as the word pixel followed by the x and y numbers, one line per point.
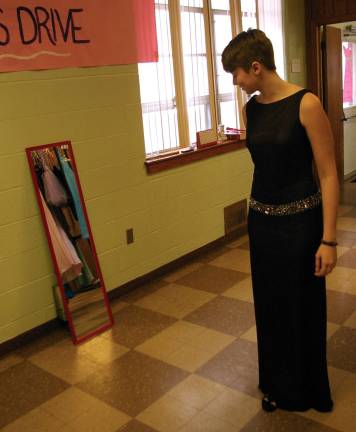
pixel 102 418
pixel 64 361
pixel 36 420
pixel 177 274
pixel 160 347
pixel 101 350
pixel 199 297
pixel 346 224
pixel 342 279
pixel 196 391
pixel 8 361
pixel 189 358
pixel 331 329
pixel 236 259
pixel 185 295
pixel 241 291
pixel 212 341
pixel 183 331
pixel 348 286
pixel 185 339
pixel 336 378
pixel 160 304
pixel 351 321
pixel 168 414
pixel 250 335
pixel 234 407
pixel 204 422
pixel 341 250
pixel 175 300
pixel 69 405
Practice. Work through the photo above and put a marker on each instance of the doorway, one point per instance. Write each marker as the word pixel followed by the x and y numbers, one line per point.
pixel 338 86
pixel 321 14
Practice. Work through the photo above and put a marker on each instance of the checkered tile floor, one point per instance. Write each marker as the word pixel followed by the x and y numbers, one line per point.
pixel 181 357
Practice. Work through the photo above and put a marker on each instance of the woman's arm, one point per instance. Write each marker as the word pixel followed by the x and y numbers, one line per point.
pixel 318 129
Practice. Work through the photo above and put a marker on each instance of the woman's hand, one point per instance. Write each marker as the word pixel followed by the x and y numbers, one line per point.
pixel 325 260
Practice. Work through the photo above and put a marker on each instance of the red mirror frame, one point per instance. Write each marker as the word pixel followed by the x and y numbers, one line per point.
pixel 102 328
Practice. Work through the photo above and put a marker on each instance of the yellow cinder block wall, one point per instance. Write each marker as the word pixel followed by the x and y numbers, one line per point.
pixel 294 40
pixel 98 109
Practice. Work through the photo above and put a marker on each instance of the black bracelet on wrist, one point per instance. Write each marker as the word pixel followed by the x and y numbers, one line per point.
pixel 329 243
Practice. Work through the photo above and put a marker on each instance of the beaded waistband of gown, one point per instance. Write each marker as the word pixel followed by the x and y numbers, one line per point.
pixel 286 209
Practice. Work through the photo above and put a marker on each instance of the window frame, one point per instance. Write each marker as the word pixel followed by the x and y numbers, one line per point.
pixel 176 156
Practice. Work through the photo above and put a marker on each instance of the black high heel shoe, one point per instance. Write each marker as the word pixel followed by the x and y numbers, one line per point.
pixel 268 404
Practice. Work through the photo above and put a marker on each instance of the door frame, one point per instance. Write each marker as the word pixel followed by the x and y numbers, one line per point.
pixel 314 65
pixel 312 29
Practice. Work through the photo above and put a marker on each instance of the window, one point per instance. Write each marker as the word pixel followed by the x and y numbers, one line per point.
pixel 187 90
pixel 349 73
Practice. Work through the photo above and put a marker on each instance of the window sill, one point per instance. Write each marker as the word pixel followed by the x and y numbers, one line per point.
pixel 163 163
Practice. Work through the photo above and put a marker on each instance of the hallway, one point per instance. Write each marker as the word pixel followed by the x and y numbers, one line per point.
pixel 181 357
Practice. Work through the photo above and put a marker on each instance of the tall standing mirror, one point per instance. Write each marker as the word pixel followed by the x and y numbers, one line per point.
pixel 69 236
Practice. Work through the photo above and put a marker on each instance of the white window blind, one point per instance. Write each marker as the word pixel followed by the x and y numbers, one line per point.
pixel 157 88
pixel 271 22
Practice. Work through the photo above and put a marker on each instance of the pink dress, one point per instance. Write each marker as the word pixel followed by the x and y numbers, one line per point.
pixel 67 258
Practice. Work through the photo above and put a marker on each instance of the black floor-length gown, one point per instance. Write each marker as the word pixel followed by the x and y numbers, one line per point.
pixel 290 302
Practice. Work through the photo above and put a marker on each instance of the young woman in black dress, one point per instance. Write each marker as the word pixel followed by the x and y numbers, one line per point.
pixel 291 226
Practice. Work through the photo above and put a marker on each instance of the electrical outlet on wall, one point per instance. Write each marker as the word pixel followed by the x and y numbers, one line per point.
pixel 129 236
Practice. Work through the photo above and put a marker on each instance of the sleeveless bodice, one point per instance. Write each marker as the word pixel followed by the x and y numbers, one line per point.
pixel 280 150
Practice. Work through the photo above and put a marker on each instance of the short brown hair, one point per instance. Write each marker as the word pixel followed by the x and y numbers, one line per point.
pixel 247 47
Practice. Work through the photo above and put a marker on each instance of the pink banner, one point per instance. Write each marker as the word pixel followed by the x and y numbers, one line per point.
pixel 53 34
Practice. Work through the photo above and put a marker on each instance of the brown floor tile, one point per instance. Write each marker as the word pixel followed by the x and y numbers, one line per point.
pixel 23 388
pixel 351 322
pixel 340 306
pixel 348 194
pixel 132 382
pixel 8 361
pixel 182 271
pixel 236 367
pixel 142 291
pixel 346 238
pixel 348 259
pixel 235 243
pixel 245 246
pixel 134 325
pixel 211 255
pixel 224 314
pixel 341 349
pixel 42 342
pixel 351 213
pixel 136 426
pixel 283 421
pixel 212 279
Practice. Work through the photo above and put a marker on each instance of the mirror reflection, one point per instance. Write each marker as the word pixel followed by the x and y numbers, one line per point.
pixel 72 248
